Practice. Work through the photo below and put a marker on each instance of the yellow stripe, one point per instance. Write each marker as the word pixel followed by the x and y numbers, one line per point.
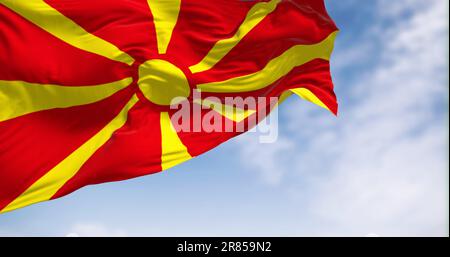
pixel 305 94
pixel 165 16
pixel 309 96
pixel 275 69
pixel 256 14
pixel 230 112
pixel 52 21
pixel 19 98
pixel 44 188
pixel 173 150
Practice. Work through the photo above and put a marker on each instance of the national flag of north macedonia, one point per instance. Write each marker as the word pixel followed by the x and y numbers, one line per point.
pixel 86 86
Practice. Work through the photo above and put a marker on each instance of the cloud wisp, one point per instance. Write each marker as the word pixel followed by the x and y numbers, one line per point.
pixel 94 230
pixel 381 167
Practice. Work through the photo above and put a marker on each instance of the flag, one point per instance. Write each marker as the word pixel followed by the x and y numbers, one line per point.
pixel 89 89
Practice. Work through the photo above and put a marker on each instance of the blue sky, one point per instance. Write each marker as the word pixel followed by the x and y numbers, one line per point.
pixel 380 168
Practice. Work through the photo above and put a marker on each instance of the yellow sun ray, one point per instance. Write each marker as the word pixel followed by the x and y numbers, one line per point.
pixel 55 23
pixel 307 95
pixel 275 69
pixel 18 98
pixel 173 150
pixel 230 112
pixel 45 187
pixel 256 14
pixel 165 16
pixel 304 94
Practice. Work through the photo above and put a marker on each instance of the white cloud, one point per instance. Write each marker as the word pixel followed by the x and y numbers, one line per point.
pixel 264 161
pixel 94 230
pixel 382 166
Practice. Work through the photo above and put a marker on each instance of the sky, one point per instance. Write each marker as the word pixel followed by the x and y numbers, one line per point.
pixel 380 168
